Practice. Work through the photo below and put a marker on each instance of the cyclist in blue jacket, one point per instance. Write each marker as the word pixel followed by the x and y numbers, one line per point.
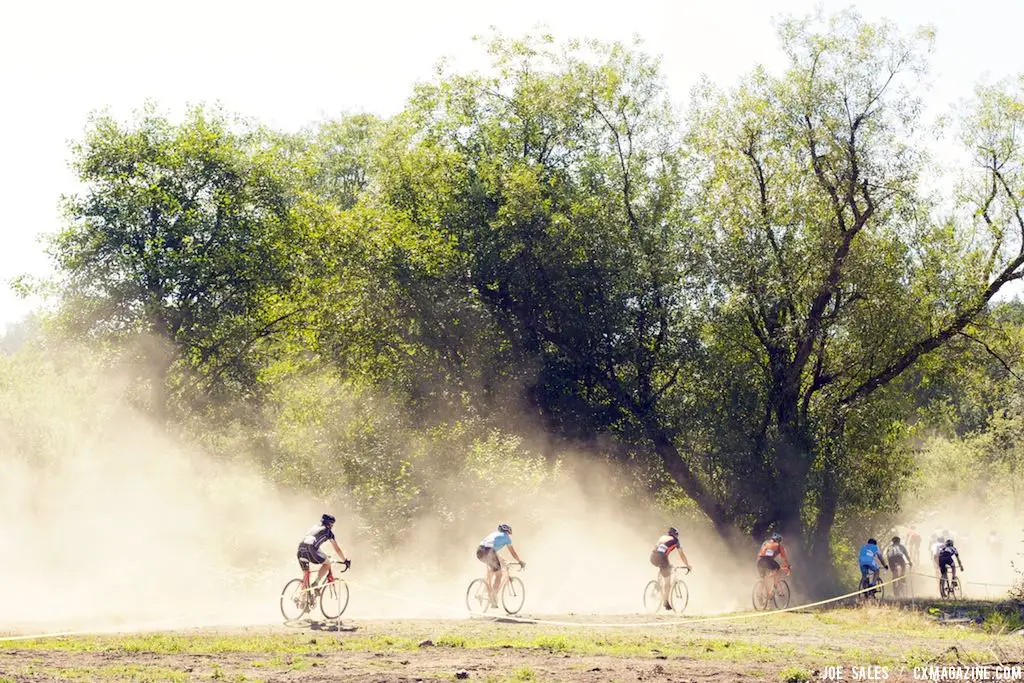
pixel 868 559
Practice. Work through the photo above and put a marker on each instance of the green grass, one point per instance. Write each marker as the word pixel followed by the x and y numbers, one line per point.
pixel 792 643
pixel 795 674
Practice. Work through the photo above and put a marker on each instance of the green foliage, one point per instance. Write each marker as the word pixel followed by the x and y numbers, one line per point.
pixel 756 307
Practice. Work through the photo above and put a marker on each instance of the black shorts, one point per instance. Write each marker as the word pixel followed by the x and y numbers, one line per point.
pixel 767 564
pixel 945 561
pixel 308 554
pixel 897 563
pixel 488 557
pixel 660 560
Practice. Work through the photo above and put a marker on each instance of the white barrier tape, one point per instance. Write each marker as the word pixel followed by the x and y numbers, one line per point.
pixel 961 580
pixel 127 628
pixel 732 616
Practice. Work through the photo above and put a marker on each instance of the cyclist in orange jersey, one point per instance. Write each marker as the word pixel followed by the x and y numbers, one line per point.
pixel 768 561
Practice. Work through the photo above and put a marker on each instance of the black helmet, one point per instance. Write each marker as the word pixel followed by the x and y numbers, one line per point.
pixel 776 537
pixel 673 532
pixel 949 542
pixel 895 539
pixel 505 528
pixel 327 519
pixel 872 541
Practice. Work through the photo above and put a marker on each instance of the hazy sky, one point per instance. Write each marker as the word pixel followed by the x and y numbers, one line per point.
pixel 290 63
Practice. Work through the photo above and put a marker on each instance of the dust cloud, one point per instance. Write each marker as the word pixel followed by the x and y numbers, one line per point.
pixel 987 531
pixel 108 523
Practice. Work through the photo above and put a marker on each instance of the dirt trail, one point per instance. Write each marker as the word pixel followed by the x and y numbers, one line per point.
pixel 780 647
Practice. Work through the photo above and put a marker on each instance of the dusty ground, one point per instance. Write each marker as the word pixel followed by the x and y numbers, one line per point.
pixel 780 647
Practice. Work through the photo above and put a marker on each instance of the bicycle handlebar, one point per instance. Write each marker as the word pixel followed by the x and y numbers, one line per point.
pixel 682 568
pixel 344 565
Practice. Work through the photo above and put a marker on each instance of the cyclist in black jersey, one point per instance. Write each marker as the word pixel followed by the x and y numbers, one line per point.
pixel 309 549
pixel 946 554
pixel 667 542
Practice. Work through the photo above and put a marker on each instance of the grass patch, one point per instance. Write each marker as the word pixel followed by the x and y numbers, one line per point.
pixel 795 674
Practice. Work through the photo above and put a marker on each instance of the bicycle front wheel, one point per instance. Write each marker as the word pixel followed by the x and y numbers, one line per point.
pixel 680 596
pixel 759 596
pixel 652 597
pixel 334 599
pixel 956 591
pixel 513 595
pixel 781 597
pixel 478 598
pixel 294 600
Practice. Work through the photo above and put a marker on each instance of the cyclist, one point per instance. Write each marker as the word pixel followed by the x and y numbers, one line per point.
pixel 487 552
pixel 868 559
pixel 309 549
pixel 667 542
pixel 938 541
pixel 914 543
pixel 946 555
pixel 768 561
pixel 898 557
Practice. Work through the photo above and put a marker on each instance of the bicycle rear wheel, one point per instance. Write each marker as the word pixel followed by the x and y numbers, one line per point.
pixel 759 596
pixel 333 599
pixel 956 591
pixel 478 598
pixel 781 597
pixel 652 596
pixel 944 591
pixel 680 596
pixel 513 595
pixel 294 600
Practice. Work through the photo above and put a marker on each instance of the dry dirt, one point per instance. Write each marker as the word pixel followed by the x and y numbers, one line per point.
pixel 782 647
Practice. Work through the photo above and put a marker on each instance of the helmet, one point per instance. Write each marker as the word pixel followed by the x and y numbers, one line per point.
pixel 327 519
pixel 872 541
pixel 895 539
pixel 776 536
pixel 673 532
pixel 949 542
pixel 505 528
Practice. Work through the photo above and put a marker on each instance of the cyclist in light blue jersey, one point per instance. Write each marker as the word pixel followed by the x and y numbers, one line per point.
pixel 487 552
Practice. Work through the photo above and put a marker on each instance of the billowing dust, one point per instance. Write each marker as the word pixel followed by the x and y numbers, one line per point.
pixel 105 522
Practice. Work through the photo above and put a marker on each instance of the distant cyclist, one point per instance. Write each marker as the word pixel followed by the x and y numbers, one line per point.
pixel 898 557
pixel 868 559
pixel 946 555
pixel 914 543
pixel 309 549
pixel 487 552
pixel 938 541
pixel 668 542
pixel 768 557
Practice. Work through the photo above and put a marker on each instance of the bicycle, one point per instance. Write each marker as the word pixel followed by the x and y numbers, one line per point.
pixel 779 597
pixel 511 590
pixel 950 588
pixel 679 596
pixel 869 582
pixel 332 592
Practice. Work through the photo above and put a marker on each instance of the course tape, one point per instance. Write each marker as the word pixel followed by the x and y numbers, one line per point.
pixel 731 616
pixel 968 583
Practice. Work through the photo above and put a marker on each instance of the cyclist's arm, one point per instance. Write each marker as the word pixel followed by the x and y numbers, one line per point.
pixel 682 555
pixel 959 561
pixel 784 556
pixel 337 549
pixel 514 553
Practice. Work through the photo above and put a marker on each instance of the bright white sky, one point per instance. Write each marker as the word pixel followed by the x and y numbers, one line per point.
pixel 290 63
